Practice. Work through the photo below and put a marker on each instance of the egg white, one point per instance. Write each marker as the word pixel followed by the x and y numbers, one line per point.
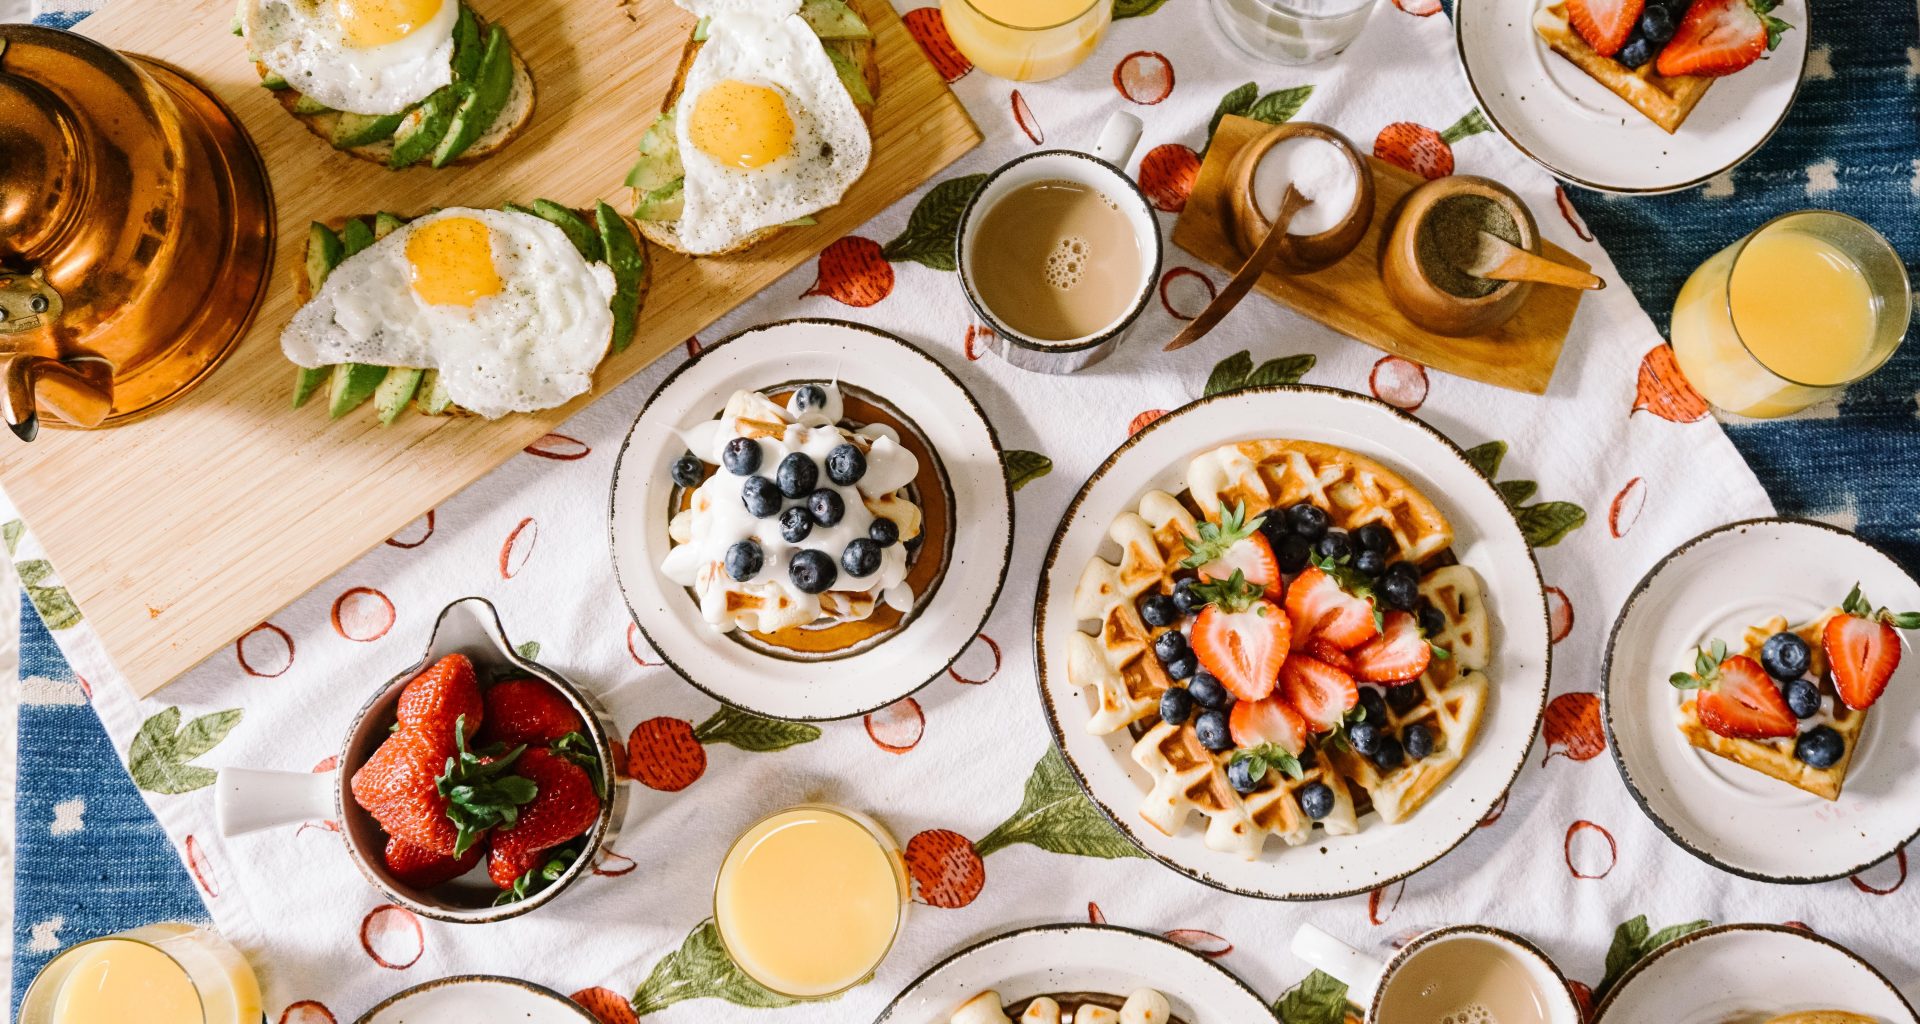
pixel 304 42
pixel 533 346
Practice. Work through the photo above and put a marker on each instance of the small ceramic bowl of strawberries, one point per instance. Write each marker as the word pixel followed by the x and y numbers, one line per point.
pixel 474 786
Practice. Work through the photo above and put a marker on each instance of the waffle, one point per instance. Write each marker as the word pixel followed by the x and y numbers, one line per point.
pixel 1665 101
pixel 1775 757
pixel 1125 681
pixel 1144 1006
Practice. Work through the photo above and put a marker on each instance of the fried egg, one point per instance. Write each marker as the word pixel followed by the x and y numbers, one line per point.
pixel 501 304
pixel 362 56
pixel 767 132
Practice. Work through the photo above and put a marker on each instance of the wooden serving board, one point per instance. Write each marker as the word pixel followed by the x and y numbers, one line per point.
pixel 178 533
pixel 1350 297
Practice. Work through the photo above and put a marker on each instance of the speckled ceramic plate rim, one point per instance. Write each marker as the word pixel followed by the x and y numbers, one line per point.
pixel 1680 945
pixel 564 1009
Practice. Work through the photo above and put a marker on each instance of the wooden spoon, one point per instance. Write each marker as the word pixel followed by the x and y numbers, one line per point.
pixel 1290 204
pixel 1500 260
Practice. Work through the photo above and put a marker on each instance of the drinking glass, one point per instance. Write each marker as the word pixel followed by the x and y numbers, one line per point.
pixel 1292 31
pixel 219 987
pixel 1050 40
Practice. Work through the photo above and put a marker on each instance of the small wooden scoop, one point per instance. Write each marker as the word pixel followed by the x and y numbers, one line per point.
pixel 1500 260
pixel 1290 204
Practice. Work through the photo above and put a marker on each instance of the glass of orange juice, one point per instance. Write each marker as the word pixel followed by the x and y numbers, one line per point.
pixel 1791 314
pixel 159 974
pixel 809 901
pixel 1026 40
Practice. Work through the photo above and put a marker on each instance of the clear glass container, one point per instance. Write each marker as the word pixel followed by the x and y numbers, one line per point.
pixel 159 974
pixel 1292 31
pixel 1026 40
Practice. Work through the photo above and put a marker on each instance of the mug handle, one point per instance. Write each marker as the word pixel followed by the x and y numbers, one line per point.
pixel 1361 972
pixel 1117 139
pixel 251 799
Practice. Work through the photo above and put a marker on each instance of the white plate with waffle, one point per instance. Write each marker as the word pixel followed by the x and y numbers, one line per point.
pixel 871 643
pixel 1764 973
pixel 1102 680
pixel 1587 133
pixel 1074 964
pixel 1749 807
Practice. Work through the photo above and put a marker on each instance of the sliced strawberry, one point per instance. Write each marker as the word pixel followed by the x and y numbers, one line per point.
pixel 1742 703
pixel 1232 543
pixel 1605 24
pixel 1242 640
pixel 1321 693
pixel 1863 654
pixel 1719 37
pixel 1321 610
pixel 1252 556
pixel 1257 722
pixel 1397 655
pixel 1324 651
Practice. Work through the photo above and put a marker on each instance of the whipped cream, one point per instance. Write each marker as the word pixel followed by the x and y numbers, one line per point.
pixel 717 517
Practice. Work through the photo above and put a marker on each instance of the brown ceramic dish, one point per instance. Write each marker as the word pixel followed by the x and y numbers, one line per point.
pixel 1414 291
pixel 1299 254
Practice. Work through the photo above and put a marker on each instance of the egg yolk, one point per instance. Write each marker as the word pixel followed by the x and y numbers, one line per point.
pixel 370 23
pixel 452 262
pixel 742 125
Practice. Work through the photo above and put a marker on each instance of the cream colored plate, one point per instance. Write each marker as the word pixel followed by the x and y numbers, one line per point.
pixel 1741 973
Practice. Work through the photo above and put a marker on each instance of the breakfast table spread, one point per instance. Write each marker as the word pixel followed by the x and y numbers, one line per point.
pixel 1618 462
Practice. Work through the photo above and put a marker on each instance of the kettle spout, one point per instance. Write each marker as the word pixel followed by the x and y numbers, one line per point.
pixel 79 391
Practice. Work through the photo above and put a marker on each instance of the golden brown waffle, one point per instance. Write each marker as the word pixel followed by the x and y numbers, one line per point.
pixel 1775 757
pixel 1665 101
pixel 1352 488
pixel 1144 1006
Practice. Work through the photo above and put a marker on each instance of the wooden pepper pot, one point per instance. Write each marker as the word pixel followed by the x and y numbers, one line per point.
pixel 1412 287
pixel 1298 254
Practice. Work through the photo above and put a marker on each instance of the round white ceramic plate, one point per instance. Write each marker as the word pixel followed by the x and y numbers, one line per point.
pixel 1485 538
pixel 477 997
pixel 1582 132
pixel 1730 816
pixel 1750 972
pixel 1068 958
pixel 943 621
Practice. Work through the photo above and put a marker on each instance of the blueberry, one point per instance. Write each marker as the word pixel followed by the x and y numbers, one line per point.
pixel 845 465
pixel 1273 526
pixel 743 560
pixel 1803 698
pixel 1240 775
pixel 1656 23
pixel 1418 738
pixel 1316 800
pixel 1785 656
pixel 1820 747
pixel 1399 592
pixel 1207 692
pixel 795 524
pixel 1406 569
pixel 688 470
pixel 825 506
pixel 1335 546
pixel 1432 620
pixel 812 572
pixel 761 497
pixel 1405 697
pixel 861 558
pixel 884 532
pixel 1373 537
pixel 1369 563
pixel 1364 738
pixel 1389 754
pixel 1374 705
pixel 1182 666
pixel 1176 706
pixel 1169 645
pixel 1638 51
pixel 797 475
pixel 1158 611
pixel 1292 552
pixel 1213 731
pixel 741 456
pixel 1308 520
pixel 809 396
pixel 1185 599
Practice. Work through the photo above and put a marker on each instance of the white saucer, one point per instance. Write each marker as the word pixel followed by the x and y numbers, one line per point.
pixel 477 997
pixel 943 621
pixel 1067 958
pixel 1486 539
pixel 1579 130
pixel 1733 817
pixel 1742 972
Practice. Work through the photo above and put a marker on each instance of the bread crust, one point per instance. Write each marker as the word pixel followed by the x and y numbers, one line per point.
pixel 1665 101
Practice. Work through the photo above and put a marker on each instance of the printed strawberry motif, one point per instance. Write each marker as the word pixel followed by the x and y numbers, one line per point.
pixel 1321 693
pixel 1167 174
pixel 362 614
pixel 307 1011
pixel 518 547
pixel 1422 150
pixel 1024 467
pixel 1559 614
pixel 699 969
pixel 898 727
pixel 559 448
pixel 1144 77
pixel 1736 697
pixel 1632 941
pixel 1276 107
pixel 606 1005
pixel 160 758
pixel 1398 655
pixel 669 754
pixel 1399 382
pixel 852 272
pixel 971 677
pixel 1900 879
pixel 1241 637
pixel 1322 610
pixel 272 649
pixel 1572 728
pixel 1140 420
pixel 1719 37
pixel 947 871
pixel 424 869
pixel 392 937
pixel 1023 116
pixel 1663 390
pixel 1863 648
pixel 1205 943
pixel 415 533
pixel 565 805
pixel 1594 868
pixel 447 692
pixel 1198 295
pixel 527 711
pixel 1605 24
pixel 1419 8
pixel 929 29
pixel 931 227
pixel 1543 523
pixel 1627 506
pixel 1567 214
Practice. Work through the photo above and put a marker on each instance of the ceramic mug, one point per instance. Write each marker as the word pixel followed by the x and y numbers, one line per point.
pixel 1099 168
pixel 251 800
pixel 1427 981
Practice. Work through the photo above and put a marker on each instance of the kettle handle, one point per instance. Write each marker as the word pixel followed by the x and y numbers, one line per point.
pixel 80 390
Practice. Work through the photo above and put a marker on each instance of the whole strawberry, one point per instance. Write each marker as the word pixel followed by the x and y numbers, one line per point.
pixel 399 786
pixel 424 869
pixel 567 805
pixel 437 698
pixel 527 711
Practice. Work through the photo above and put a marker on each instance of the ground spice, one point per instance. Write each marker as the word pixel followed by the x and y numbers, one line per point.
pixel 1450 237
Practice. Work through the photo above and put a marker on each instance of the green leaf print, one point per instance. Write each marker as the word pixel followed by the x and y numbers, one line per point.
pixel 1516 491
pixel 1239 101
pixel 529 650
pixel 1544 524
pixel 701 969
pixel 1318 999
pixel 11 533
pixel 1487 457
pixel 54 604
pixel 1025 467
pixel 928 239
pixel 750 732
pixel 1237 371
pixel 1279 106
pixel 1632 941
pixel 1135 8
pixel 157 758
pixel 1058 818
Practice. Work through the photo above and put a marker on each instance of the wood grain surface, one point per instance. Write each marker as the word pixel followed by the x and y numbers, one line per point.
pixel 180 532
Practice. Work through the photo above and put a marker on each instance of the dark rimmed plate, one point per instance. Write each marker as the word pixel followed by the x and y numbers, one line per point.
pixel 1738 972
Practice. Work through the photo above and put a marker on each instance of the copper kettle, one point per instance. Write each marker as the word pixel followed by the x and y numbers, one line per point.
pixel 136 231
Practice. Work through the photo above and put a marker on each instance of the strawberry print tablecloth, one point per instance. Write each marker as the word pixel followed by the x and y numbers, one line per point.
pixel 1614 466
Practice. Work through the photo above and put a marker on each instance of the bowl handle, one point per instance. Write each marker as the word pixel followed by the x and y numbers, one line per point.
pixel 1361 972
pixel 1117 138
pixel 251 799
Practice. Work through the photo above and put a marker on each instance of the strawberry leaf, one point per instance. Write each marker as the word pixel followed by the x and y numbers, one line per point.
pixel 1686 681
pixel 1318 999
pixel 1902 620
pixel 480 791
pixel 1216 538
pixel 577 748
pixel 539 877
pixel 1233 594
pixel 1280 105
pixel 1239 101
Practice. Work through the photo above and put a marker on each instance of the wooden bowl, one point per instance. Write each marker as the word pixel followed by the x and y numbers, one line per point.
pixel 1298 254
pixel 1416 295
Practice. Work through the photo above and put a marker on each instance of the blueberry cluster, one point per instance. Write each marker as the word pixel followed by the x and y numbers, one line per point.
pixel 1305 532
pixel 1787 658
pixel 1372 738
pixel 1656 26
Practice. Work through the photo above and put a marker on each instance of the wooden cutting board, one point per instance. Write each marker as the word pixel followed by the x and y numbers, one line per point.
pixel 1349 296
pixel 177 534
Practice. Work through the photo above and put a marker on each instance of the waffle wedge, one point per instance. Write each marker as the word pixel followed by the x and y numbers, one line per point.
pixel 1665 101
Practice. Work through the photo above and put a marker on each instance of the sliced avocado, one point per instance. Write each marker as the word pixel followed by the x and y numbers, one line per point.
pixel 308 105
pixel 432 398
pixel 851 76
pixel 579 232
pixel 307 381
pixel 512 207
pixel 273 80
pixel 395 391
pixel 833 19
pixel 385 224
pixel 629 265
pixel 663 204
pixel 468 47
pixel 353 383
pixel 700 30
pixel 659 163
pixel 484 103
pixel 800 222
pixel 351 130
pixel 356 235
pixel 324 252
pixel 423 127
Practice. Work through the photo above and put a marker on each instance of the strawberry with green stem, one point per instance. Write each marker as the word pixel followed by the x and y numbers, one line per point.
pixel 1240 637
pixel 1399 654
pixel 1232 545
pixel 1720 37
pixel 1863 648
pixel 1736 698
pixel 527 711
pixel 1417 148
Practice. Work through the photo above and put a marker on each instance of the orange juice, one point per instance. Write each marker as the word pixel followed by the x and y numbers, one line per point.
pixel 1026 40
pixel 809 901
pixel 160 974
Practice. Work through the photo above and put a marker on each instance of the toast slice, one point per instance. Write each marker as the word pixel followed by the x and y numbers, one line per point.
pixel 860 53
pixel 1665 101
